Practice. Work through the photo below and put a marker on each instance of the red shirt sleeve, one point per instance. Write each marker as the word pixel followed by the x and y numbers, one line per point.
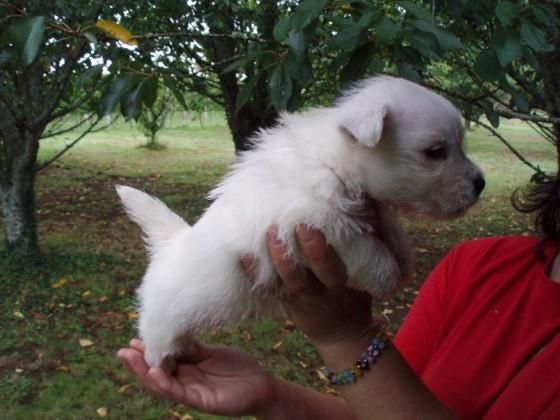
pixel 418 336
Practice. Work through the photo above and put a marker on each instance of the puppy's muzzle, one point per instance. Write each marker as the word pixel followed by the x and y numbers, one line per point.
pixel 479 184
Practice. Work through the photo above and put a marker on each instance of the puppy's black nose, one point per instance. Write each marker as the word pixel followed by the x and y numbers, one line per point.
pixel 479 185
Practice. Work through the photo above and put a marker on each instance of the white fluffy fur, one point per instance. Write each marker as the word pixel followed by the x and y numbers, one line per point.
pixel 314 168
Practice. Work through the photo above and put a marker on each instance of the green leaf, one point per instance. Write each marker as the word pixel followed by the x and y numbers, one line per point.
pixel 297 42
pixel 170 84
pixel 280 85
pixel 415 10
pixel 425 43
pixel 375 66
pixel 408 72
pixel 491 115
pixel 358 63
pixel 27 35
pixel 245 92
pixel 131 102
pixel 445 39
pixel 90 36
pixel 241 62
pixel 487 66
pixel 535 37
pixel 520 101
pixel 506 12
pixel 507 46
pixel 542 14
pixel 113 95
pixel 149 91
pixel 348 38
pixel 302 71
pixel 386 30
pixel 307 12
pixel 281 29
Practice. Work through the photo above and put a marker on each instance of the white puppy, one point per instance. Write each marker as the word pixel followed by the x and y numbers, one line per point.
pixel 389 140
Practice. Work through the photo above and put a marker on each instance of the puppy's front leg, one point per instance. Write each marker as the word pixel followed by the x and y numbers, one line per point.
pixel 371 265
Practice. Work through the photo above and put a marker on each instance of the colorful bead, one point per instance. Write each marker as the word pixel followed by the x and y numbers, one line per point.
pixel 368 358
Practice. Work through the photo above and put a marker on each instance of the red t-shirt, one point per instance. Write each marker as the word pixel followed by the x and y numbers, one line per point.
pixel 484 332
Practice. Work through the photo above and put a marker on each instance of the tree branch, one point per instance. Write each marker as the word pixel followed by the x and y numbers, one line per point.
pixel 194 35
pixel 70 145
pixel 67 129
pixel 508 145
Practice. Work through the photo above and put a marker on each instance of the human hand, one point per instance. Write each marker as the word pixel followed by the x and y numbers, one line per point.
pixel 216 380
pixel 317 298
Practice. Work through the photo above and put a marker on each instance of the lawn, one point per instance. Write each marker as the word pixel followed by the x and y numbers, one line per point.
pixel 63 322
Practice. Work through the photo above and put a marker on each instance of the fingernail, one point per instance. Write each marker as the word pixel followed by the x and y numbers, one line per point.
pixel 305 234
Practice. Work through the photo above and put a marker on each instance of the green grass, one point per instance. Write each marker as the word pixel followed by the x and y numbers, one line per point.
pixel 94 259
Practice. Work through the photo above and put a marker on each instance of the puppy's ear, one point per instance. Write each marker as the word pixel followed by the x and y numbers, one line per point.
pixel 365 127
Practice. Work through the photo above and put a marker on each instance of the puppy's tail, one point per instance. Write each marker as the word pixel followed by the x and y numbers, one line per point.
pixel 157 221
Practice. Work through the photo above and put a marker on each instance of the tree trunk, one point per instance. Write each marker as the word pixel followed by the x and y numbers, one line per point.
pixel 18 208
pixel 17 192
pixel 257 113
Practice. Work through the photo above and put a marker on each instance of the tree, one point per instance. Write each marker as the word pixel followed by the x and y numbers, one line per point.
pixel 152 119
pixel 511 53
pixel 504 54
pixel 53 64
pixel 194 43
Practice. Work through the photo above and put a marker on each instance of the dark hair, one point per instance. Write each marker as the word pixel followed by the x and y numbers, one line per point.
pixel 542 196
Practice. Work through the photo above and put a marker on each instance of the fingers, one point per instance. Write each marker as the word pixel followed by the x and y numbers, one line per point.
pixel 321 257
pixel 137 345
pixel 156 379
pixel 295 278
pixel 134 362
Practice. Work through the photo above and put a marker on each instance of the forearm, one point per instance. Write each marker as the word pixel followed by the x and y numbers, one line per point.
pixel 293 401
pixel 388 390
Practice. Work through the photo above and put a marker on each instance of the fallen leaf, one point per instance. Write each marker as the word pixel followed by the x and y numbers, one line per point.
pixel 60 283
pixel 101 411
pixel 320 374
pixel 387 311
pixel 86 293
pixel 18 370
pixel 102 299
pixel 132 315
pixel 177 415
pixel 124 388
pixel 302 364
pixel 18 314
pixel 331 391
pixel 84 342
pixel 276 346
pixel 63 368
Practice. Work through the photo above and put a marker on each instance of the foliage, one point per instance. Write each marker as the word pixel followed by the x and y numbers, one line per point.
pixel 47 71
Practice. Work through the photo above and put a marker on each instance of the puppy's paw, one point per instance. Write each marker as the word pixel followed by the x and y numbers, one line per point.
pixel 155 357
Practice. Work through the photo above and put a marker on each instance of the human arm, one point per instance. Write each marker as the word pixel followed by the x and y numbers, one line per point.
pixel 338 321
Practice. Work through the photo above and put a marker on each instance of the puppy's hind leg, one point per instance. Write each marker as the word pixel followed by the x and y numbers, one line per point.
pixel 183 296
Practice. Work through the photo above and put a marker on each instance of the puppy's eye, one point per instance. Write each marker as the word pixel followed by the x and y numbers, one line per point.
pixel 436 153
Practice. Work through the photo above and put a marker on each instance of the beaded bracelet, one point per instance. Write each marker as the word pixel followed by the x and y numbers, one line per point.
pixel 368 358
